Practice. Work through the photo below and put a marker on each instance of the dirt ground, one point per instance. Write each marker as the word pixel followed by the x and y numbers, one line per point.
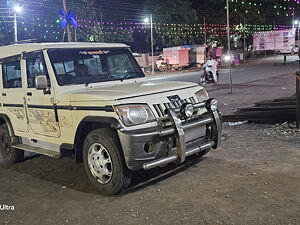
pixel 253 179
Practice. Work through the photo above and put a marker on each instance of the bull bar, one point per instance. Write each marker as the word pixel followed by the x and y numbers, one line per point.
pixel 133 141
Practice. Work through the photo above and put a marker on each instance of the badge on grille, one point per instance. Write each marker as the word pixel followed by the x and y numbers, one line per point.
pixel 174 98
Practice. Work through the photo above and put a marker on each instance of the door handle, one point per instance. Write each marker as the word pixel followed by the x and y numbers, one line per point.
pixel 3 94
pixel 29 93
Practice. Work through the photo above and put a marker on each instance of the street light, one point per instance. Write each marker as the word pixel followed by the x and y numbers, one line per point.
pixel 147 20
pixel 227 58
pixel 17 9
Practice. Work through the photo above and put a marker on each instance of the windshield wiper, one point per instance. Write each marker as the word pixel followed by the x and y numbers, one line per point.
pixel 97 78
pixel 94 79
pixel 123 78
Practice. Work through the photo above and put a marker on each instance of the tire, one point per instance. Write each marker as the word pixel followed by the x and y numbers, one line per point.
pixel 104 162
pixel 9 154
pixel 202 80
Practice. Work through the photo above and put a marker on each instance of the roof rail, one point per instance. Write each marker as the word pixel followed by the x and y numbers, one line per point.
pixel 22 42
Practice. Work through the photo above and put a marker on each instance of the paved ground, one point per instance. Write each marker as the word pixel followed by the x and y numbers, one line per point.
pixel 253 179
pixel 255 69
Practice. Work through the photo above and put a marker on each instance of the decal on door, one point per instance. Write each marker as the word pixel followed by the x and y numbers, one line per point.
pixel 45 119
pixel 18 113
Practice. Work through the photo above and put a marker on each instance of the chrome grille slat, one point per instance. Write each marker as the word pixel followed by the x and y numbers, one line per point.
pixel 165 105
pixel 156 107
pixel 160 108
pixel 192 100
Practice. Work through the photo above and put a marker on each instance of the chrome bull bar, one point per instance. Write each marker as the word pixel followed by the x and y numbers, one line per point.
pixel 178 129
pixel 179 133
pixel 174 158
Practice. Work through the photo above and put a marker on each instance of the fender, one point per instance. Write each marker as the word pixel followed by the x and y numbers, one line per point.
pixel 14 138
pixel 96 120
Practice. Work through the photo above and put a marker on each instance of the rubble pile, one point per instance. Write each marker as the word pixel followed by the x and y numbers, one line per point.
pixel 286 129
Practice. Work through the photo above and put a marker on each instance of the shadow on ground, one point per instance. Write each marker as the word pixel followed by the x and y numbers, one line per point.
pixel 64 172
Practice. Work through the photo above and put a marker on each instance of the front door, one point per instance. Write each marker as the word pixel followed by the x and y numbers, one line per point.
pixel 42 116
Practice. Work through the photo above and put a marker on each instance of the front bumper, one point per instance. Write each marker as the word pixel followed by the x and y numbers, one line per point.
pixel 173 143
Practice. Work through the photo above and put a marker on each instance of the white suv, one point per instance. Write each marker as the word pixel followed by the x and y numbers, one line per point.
pixel 93 100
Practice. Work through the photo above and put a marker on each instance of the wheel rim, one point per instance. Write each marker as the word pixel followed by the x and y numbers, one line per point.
pixel 100 163
pixel 202 81
pixel 6 147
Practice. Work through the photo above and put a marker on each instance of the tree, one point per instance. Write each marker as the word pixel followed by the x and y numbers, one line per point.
pixel 168 12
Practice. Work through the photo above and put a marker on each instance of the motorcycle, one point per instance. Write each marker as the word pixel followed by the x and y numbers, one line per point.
pixel 207 76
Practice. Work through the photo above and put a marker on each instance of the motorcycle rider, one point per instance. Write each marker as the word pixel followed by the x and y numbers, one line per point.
pixel 213 64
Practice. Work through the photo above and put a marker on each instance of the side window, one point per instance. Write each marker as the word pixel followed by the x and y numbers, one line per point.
pixel 11 74
pixel 35 66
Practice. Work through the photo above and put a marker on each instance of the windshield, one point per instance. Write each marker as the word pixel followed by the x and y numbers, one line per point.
pixel 84 66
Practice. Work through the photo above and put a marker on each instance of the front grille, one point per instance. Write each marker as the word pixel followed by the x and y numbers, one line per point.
pixel 160 108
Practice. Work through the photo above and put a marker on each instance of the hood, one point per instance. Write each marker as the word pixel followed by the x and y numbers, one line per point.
pixel 123 91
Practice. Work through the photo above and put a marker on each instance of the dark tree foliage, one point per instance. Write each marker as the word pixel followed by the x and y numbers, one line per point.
pixel 170 12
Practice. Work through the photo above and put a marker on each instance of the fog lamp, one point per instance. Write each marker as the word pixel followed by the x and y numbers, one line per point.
pixel 212 104
pixel 187 110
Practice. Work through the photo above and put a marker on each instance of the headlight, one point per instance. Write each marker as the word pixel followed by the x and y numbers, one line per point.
pixel 212 104
pixel 202 95
pixel 134 114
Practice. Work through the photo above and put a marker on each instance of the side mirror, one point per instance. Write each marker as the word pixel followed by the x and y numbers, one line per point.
pixel 41 82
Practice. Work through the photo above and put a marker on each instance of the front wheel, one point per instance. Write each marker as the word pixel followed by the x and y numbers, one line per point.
pixel 202 80
pixel 9 154
pixel 104 162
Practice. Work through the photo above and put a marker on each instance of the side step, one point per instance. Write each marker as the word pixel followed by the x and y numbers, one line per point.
pixel 38 150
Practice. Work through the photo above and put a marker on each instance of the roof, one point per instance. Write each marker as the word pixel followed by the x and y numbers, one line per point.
pixel 16 49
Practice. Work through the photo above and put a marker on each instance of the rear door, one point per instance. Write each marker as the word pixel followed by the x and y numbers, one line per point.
pixel 12 92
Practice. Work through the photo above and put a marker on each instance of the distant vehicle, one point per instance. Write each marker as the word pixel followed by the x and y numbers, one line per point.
pixel 288 51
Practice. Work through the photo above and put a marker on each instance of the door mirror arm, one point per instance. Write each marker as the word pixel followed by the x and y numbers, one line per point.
pixel 47 91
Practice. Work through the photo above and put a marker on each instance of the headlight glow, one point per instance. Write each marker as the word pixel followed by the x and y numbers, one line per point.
pixel 134 114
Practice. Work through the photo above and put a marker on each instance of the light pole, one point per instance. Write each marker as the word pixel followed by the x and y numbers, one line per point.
pixel 146 20
pixel 244 33
pixel 204 26
pixel 297 22
pixel 17 9
pixel 229 50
